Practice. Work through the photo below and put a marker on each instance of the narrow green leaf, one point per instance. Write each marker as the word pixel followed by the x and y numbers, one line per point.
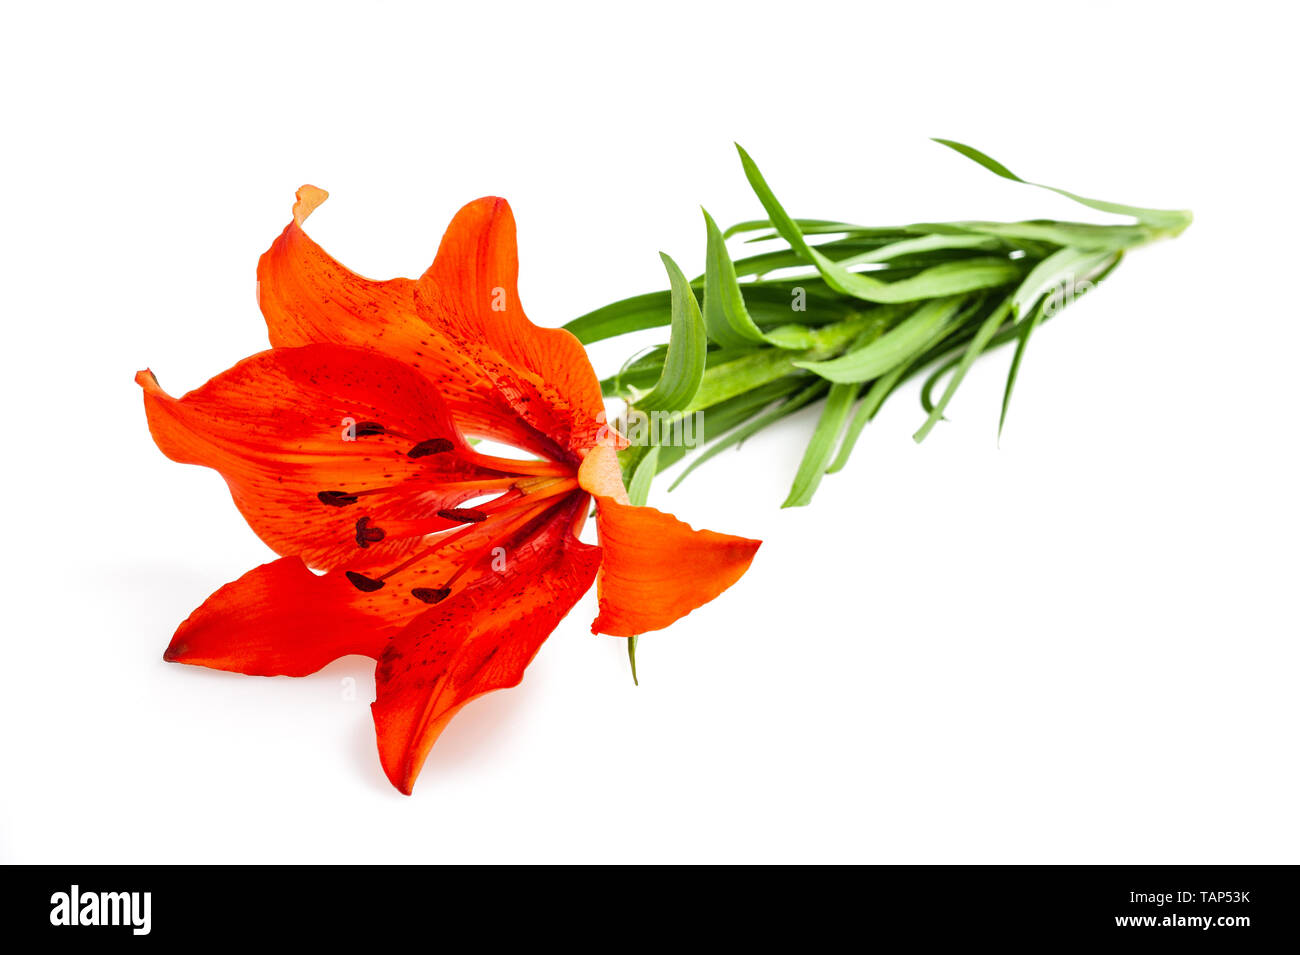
pixel 770 303
pixel 725 317
pixel 812 468
pixel 809 226
pixel 927 389
pixel 791 337
pixel 770 261
pixel 1083 235
pixel 722 417
pixel 923 243
pixel 638 489
pixel 865 411
pixel 811 393
pixel 838 278
pixel 746 372
pixel 948 279
pixel 977 344
pixel 1175 220
pixel 634 314
pixel 638 374
pixel 687 347
pixel 1026 329
pixel 895 347
pixel 1067 265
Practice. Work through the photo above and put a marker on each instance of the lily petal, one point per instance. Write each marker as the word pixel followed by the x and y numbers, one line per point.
pixel 282 619
pixel 657 569
pixel 279 619
pixel 470 294
pixel 307 296
pixel 479 640
pixel 277 426
pixel 600 474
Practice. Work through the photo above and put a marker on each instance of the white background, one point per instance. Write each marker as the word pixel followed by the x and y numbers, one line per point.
pixel 1078 648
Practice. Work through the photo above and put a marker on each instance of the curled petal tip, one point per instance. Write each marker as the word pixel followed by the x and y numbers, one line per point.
pixel 146 379
pixel 496 203
pixel 399 775
pixel 656 569
pixel 309 197
pixel 175 652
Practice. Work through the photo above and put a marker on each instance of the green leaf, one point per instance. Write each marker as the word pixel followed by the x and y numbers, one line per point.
pixel 722 417
pixel 634 314
pixel 923 243
pixel 983 334
pixel 866 410
pixel 947 279
pixel 725 317
pixel 810 226
pixel 1174 220
pixel 788 407
pixel 1066 265
pixel 791 337
pixel 638 489
pixel 639 373
pixel 895 347
pixel 768 304
pixel 724 381
pixel 1082 235
pixel 684 365
pixel 770 261
pixel 1026 328
pixel 838 278
pixel 839 402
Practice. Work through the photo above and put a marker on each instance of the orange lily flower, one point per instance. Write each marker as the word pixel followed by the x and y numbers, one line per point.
pixel 345 448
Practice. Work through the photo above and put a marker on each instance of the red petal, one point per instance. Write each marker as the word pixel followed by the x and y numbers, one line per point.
pixel 479 640
pixel 279 619
pixel 470 295
pixel 656 569
pixel 274 426
pixel 307 296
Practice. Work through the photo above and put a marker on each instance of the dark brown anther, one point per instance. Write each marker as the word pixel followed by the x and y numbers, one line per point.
pixel 367 428
pixel 363 583
pixel 466 515
pixel 367 535
pixel 432 446
pixel 336 498
pixel 430 595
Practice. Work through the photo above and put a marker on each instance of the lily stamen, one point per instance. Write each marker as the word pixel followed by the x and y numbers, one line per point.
pixel 430 447
pixel 518 510
pixel 368 534
pixel 342 498
pixel 525 518
pixel 466 515
pixel 533 467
